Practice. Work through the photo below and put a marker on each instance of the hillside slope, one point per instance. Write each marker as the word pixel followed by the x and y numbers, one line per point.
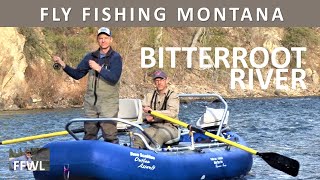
pixel 28 80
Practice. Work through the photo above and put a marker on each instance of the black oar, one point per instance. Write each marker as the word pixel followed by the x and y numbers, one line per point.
pixel 40 136
pixel 277 161
pixel 280 162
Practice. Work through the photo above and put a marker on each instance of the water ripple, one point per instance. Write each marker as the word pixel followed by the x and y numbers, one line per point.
pixel 289 126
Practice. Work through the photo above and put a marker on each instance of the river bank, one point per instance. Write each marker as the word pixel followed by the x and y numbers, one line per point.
pixel 64 104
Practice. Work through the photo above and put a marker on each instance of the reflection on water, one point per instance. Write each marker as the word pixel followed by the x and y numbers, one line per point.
pixel 287 126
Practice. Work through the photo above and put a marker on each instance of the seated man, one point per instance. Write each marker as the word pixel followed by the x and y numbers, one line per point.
pixel 164 101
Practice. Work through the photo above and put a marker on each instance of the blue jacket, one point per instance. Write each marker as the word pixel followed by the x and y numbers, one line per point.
pixel 111 71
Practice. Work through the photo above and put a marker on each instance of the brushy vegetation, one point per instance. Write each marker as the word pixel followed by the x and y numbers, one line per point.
pixel 300 37
pixel 215 37
pixel 69 43
pixel 34 46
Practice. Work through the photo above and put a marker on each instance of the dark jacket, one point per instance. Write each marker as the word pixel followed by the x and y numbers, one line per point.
pixel 112 61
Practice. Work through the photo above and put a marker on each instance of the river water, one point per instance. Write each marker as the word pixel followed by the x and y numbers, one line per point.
pixel 288 126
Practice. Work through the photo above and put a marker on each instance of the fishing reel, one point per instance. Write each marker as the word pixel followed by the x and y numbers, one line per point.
pixel 56 66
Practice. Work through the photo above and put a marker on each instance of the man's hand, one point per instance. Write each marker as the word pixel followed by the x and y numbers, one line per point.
pixel 146 109
pixel 95 66
pixel 58 60
pixel 150 118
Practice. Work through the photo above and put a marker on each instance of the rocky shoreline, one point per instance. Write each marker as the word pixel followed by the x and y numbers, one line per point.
pixel 37 103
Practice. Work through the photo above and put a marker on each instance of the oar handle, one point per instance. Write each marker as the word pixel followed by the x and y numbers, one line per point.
pixel 79 130
pixel 41 136
pixel 11 141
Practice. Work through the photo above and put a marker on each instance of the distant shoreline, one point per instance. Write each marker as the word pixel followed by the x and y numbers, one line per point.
pixel 182 100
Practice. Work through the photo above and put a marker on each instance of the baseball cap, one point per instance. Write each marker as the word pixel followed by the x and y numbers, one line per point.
pixel 159 74
pixel 104 30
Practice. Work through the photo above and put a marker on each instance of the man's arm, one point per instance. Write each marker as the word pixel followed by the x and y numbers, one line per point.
pixel 146 105
pixel 113 74
pixel 81 70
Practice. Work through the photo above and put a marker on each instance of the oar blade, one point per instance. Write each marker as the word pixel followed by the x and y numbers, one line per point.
pixel 280 162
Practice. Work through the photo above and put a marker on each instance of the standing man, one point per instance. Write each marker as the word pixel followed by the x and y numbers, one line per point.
pixel 102 97
pixel 162 100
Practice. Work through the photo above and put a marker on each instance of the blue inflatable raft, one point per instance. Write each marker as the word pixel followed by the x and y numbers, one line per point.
pixel 101 160
pixel 192 156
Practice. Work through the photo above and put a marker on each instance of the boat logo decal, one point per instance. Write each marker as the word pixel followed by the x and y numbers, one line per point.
pixel 144 161
pixel 218 162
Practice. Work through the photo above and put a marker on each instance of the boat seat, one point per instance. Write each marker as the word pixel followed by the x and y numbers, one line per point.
pixel 212 118
pixel 129 109
pixel 174 141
